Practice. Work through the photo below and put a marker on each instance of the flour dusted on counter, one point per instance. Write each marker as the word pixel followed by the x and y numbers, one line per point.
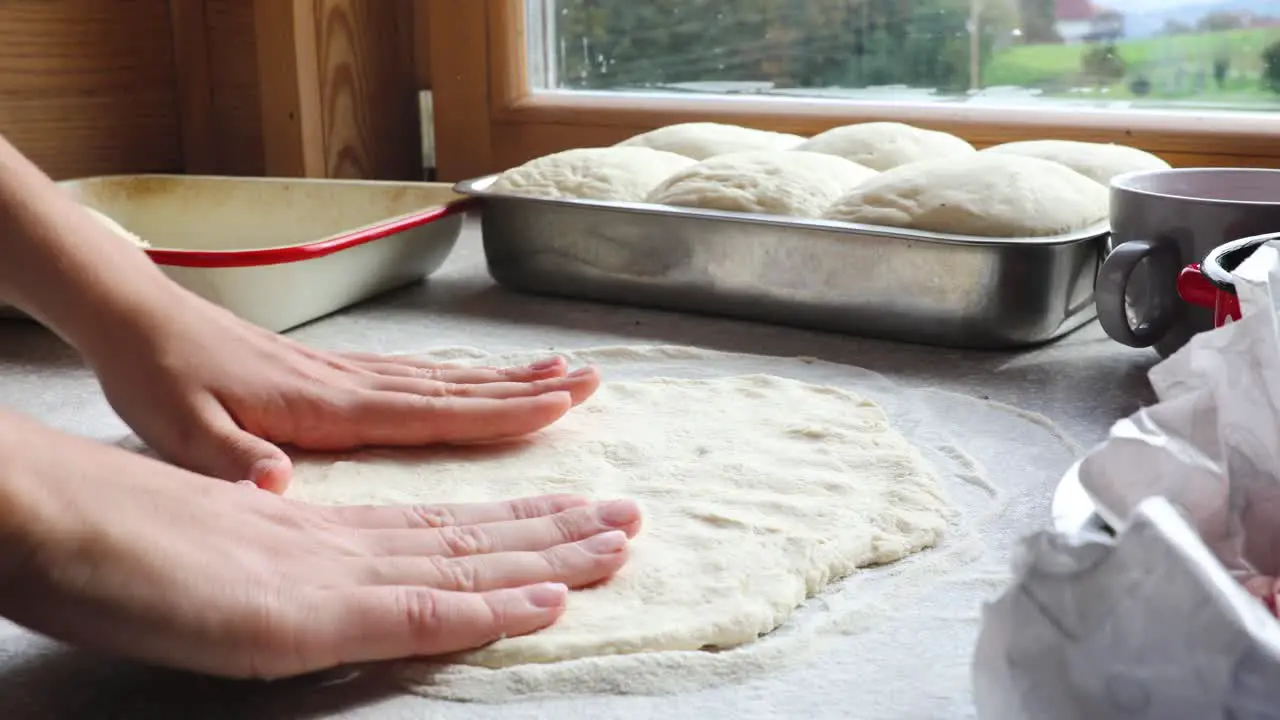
pixel 758 491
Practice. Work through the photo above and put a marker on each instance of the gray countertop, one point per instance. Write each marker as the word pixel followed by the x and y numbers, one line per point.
pixel 1083 383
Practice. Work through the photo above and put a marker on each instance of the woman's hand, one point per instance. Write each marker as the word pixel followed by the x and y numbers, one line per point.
pixel 123 554
pixel 214 394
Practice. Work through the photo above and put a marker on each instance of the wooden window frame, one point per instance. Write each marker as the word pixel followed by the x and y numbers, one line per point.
pixel 488 118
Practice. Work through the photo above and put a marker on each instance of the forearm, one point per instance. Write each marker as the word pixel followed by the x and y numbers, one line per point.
pixel 62 266
pixel 23 441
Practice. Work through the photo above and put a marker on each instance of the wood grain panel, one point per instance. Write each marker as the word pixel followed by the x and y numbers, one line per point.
pixel 508 53
pixel 420 32
pixel 285 33
pixel 245 87
pixel 81 94
pixel 61 47
pixel 368 98
pixel 235 117
pixel 458 45
pixel 195 90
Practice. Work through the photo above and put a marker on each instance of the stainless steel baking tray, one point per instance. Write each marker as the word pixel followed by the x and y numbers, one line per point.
pixel 929 288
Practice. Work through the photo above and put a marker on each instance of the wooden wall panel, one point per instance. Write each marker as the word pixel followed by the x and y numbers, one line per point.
pixel 363 65
pixel 420 38
pixel 337 88
pixel 195 92
pixel 120 86
pixel 367 88
pixel 88 86
pixel 457 56
pixel 236 105
pixel 289 86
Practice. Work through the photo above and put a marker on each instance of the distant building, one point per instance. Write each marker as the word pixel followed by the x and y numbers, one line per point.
pixel 1250 19
pixel 1081 21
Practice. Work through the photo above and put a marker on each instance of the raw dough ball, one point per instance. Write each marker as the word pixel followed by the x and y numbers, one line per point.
pixel 1100 161
pixel 774 182
pixel 985 194
pixel 743 520
pixel 886 145
pixel 703 140
pixel 611 174
pixel 117 228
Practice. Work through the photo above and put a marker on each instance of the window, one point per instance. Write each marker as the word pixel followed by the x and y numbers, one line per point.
pixel 1194 81
pixel 1172 55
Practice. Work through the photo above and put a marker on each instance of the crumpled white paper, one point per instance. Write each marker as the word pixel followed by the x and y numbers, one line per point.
pixel 1153 622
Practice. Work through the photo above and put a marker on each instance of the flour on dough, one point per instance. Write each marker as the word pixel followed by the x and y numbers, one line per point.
pixel 774 182
pixel 609 174
pixel 702 140
pixel 1100 161
pixel 758 491
pixel 886 145
pixel 983 194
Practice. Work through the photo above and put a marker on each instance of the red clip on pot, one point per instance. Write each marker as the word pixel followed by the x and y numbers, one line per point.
pixel 1211 284
pixel 1196 289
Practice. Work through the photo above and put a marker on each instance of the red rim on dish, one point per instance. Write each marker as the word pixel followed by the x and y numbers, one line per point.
pixel 308 251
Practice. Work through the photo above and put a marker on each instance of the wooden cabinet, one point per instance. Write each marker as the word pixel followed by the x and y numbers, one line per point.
pixel 319 88
pixel 88 86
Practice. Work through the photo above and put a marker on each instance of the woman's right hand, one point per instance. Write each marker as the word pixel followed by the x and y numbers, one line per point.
pixel 120 553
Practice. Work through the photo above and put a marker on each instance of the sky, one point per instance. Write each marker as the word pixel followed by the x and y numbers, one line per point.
pixel 1141 6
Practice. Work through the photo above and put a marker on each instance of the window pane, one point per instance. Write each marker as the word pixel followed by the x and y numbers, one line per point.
pixel 1169 54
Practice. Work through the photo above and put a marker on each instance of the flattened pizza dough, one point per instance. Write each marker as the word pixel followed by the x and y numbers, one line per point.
pixel 758 491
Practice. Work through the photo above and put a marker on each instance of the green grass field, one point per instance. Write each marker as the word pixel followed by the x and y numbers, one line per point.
pixel 1178 66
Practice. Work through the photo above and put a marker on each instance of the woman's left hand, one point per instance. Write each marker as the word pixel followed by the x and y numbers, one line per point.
pixel 214 394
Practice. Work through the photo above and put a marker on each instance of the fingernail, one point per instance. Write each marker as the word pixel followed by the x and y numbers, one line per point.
pixel 262 469
pixel 583 372
pixel 607 543
pixel 618 513
pixel 547 595
pixel 270 475
pixel 542 365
